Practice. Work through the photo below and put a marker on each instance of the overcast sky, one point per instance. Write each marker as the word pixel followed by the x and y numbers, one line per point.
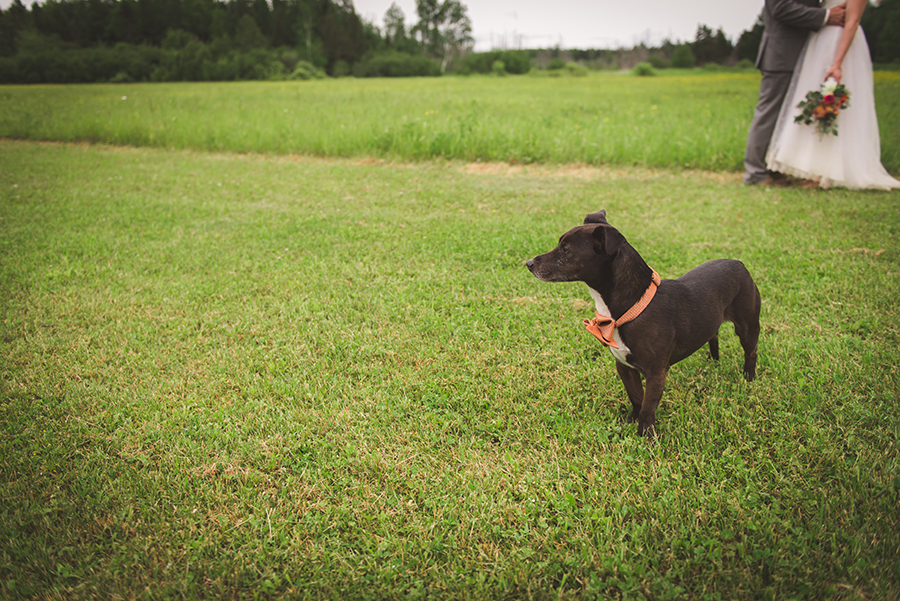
pixel 580 23
pixel 586 23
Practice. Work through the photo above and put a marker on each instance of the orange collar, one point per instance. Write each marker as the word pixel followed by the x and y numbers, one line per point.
pixel 603 327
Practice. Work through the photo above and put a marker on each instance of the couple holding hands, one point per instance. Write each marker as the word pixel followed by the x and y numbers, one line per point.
pixel 803 45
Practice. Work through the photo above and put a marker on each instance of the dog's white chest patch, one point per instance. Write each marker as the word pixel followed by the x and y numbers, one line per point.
pixel 619 353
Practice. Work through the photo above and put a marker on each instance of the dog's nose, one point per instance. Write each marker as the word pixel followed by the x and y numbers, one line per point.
pixel 530 264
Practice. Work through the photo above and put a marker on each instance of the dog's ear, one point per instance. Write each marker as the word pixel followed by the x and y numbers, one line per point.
pixel 598 217
pixel 608 240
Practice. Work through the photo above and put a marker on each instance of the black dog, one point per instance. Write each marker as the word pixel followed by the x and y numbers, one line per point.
pixel 650 324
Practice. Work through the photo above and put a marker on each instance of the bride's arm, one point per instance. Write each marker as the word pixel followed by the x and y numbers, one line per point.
pixel 851 24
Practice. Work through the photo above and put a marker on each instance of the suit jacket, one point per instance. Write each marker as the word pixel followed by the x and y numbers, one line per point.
pixel 787 25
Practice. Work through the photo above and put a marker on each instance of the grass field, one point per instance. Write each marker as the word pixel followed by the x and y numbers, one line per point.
pixel 236 363
pixel 692 120
pixel 273 377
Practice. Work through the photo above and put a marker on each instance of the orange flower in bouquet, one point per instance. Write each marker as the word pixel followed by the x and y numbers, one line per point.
pixel 822 106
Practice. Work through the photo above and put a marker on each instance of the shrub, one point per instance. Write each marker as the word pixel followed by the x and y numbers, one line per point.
pixel 7 70
pixel 515 62
pixel 121 77
pixel 82 65
pixel 392 63
pixel 222 69
pixel 289 58
pixel 567 70
pixel 576 70
pixel 305 70
pixel 556 63
pixel 683 57
pixel 498 68
pixel 340 69
pixel 177 39
pixel 185 64
pixel 643 69
pixel 658 62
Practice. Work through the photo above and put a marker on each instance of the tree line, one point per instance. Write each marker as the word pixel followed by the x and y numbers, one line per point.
pixel 880 22
pixel 71 41
pixel 171 40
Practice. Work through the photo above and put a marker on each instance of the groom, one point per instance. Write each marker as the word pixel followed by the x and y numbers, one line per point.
pixel 787 25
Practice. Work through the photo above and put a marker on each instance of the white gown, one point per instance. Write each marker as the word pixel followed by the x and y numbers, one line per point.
pixel 852 159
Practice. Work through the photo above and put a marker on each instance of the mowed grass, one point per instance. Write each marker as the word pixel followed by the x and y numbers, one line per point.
pixel 279 377
pixel 693 120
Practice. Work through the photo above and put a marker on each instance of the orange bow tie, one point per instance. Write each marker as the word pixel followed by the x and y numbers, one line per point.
pixel 603 327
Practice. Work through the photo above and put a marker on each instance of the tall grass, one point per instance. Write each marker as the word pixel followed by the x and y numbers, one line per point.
pixel 238 376
pixel 683 120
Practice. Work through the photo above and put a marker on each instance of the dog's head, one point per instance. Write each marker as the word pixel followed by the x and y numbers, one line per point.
pixel 582 252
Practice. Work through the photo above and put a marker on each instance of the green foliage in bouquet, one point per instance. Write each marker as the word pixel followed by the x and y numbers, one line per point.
pixel 823 106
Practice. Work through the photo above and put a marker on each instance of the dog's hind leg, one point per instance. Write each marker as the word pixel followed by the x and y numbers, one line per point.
pixel 647 419
pixel 714 347
pixel 631 378
pixel 747 330
pixel 749 336
pixel 744 314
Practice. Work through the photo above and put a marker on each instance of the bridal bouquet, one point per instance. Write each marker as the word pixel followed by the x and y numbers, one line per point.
pixel 823 106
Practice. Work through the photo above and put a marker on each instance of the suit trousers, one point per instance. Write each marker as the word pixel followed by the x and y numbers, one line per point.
pixel 772 89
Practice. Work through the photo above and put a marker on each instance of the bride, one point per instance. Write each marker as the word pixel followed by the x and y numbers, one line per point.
pixel 851 159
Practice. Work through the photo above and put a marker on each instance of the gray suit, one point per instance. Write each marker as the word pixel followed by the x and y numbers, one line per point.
pixel 787 25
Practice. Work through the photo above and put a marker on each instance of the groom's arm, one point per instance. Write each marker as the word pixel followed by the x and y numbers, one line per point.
pixel 794 14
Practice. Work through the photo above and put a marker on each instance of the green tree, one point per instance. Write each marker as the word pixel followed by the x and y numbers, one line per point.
pixel 262 16
pixel 711 48
pixel 247 34
pixel 455 30
pixel 197 15
pixel 343 36
pixel 683 57
pixel 394 24
pixel 429 12
pixel 747 46
pixel 281 33
pixel 444 29
pixel 13 21
pixel 154 17
pixel 881 22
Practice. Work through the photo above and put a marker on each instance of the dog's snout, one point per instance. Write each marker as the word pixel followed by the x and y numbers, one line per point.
pixel 530 264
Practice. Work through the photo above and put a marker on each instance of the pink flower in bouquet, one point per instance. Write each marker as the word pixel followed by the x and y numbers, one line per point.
pixel 821 107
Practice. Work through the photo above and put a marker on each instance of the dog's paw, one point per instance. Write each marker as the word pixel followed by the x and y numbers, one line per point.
pixel 647 427
pixel 648 431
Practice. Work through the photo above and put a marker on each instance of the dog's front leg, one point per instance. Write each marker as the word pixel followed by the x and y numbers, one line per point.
pixel 631 378
pixel 647 418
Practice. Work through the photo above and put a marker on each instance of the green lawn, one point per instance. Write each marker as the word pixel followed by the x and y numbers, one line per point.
pixel 684 120
pixel 227 375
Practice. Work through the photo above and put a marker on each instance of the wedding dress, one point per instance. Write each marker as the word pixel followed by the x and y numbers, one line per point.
pixel 851 159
